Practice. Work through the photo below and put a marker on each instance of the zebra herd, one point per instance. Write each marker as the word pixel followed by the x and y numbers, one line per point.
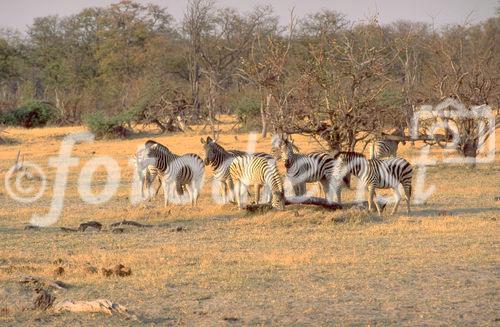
pixel 236 171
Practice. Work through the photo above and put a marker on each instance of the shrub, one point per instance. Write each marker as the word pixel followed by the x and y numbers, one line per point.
pixel 104 126
pixel 248 112
pixel 32 114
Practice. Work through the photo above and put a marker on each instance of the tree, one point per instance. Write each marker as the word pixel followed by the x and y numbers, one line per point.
pixel 463 81
pixel 335 93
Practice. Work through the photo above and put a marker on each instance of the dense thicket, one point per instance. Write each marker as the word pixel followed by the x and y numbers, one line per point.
pixel 322 75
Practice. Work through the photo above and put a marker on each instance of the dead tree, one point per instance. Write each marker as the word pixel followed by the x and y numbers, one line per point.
pixel 334 94
pixel 463 83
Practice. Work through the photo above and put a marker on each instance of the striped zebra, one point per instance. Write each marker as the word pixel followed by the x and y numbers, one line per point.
pixel 147 172
pixel 384 149
pixel 249 170
pixel 378 174
pixel 183 172
pixel 220 159
pixel 310 168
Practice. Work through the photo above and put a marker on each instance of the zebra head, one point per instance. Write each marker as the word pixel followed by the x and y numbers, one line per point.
pixel 211 150
pixel 278 200
pixel 350 163
pixel 288 149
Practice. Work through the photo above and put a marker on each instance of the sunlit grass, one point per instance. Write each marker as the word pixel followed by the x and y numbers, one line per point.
pixel 301 266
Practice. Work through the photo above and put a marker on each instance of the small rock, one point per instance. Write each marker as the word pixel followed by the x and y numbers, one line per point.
pixel 59 271
pixel 122 271
pixel 445 213
pixel 90 269
pixel 44 299
pixel 178 229
pixel 338 220
pixel 118 270
pixel 31 227
pixel 117 230
pixel 58 261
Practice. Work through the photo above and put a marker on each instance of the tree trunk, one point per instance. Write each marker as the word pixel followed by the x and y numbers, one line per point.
pixel 469 151
pixel 263 111
pixel 210 106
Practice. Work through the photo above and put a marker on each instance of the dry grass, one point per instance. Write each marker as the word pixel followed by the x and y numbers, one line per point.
pixel 301 266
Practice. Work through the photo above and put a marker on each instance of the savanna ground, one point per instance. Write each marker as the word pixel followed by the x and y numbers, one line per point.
pixel 303 266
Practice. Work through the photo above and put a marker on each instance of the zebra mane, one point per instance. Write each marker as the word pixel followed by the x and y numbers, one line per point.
pixel 217 145
pixel 153 145
pixel 294 147
pixel 351 154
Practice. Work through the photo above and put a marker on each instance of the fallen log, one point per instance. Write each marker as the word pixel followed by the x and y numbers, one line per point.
pixel 67 229
pixel 90 224
pixel 314 201
pixel 130 223
pixel 321 202
pixel 38 282
pixel 45 301
pixel 95 306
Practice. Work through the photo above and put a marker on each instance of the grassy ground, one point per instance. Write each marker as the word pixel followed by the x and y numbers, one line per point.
pixel 215 265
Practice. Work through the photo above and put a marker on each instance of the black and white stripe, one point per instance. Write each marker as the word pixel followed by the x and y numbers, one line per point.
pixel 146 172
pixel 184 172
pixel 249 170
pixel 378 174
pixel 220 159
pixel 310 168
pixel 384 149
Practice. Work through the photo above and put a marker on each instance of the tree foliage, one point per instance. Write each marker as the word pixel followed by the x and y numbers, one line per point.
pixel 322 75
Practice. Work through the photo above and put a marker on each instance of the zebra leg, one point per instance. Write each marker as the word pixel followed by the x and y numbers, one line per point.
pixel 257 193
pixel 158 188
pixel 223 191
pixel 230 186
pixel 408 196
pixel 337 186
pixel 237 193
pixel 267 194
pixel 195 193
pixel 166 188
pixel 370 200
pixel 397 196
pixel 142 188
pixel 303 189
pixel 190 191
pixel 373 195
pixel 326 190
pixel 322 190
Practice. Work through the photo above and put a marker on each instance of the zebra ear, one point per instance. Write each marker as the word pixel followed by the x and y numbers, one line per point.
pixel 209 139
pixel 203 141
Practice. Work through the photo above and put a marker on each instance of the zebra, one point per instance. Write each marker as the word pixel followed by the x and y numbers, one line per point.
pixel 220 159
pixel 249 170
pixel 384 149
pixel 147 172
pixel 310 168
pixel 185 172
pixel 378 174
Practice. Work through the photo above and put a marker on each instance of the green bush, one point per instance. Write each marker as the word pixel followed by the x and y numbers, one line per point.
pixel 105 126
pixel 248 112
pixel 32 114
